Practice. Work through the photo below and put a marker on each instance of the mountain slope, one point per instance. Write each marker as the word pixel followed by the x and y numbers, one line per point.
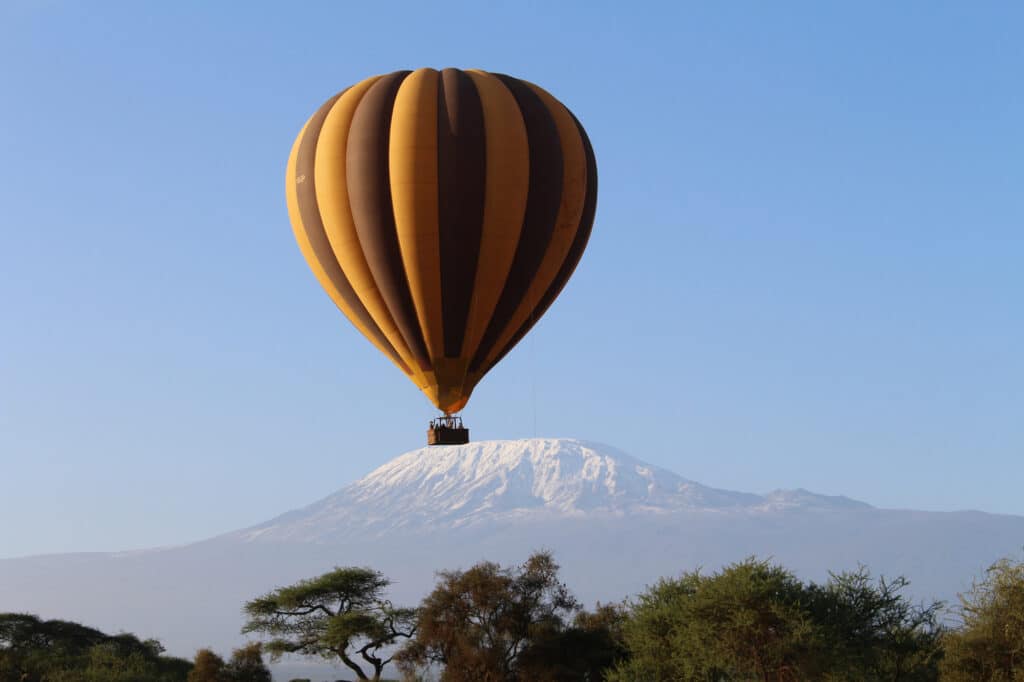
pixel 614 523
pixel 454 486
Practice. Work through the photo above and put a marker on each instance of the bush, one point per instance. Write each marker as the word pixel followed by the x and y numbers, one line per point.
pixel 755 620
pixel 989 646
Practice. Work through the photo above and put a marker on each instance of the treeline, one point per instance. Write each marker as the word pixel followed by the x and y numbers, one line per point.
pixel 36 650
pixel 32 649
pixel 750 621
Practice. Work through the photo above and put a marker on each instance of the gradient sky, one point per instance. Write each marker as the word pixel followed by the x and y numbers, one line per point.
pixel 806 269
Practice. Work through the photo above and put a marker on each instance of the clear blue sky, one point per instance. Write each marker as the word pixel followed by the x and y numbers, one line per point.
pixel 806 270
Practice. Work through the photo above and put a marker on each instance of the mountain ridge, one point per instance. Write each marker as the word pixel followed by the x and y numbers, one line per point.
pixel 614 523
pixel 463 485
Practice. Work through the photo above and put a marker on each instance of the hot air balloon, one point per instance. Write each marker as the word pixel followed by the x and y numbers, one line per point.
pixel 443 212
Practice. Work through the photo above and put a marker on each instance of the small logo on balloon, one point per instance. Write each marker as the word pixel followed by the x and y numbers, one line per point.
pixel 300 179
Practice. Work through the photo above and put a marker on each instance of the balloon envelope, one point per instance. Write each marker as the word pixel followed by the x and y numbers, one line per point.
pixel 443 212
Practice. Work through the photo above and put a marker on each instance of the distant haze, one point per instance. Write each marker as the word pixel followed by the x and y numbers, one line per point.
pixel 614 523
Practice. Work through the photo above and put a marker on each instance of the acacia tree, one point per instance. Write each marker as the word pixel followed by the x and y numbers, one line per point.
pixel 756 621
pixel 870 630
pixel 990 643
pixel 341 614
pixel 480 622
pixel 743 623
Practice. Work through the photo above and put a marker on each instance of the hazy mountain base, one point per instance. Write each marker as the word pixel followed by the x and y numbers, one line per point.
pixel 189 597
pixel 614 524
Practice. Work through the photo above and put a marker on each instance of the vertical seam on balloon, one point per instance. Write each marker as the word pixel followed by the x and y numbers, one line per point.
pixel 570 212
pixel 385 261
pixel 497 104
pixel 575 252
pixel 412 179
pixel 341 225
pixel 542 203
pixel 460 202
pixel 309 218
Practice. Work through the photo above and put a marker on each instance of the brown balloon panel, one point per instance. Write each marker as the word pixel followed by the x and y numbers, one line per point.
pixel 443 212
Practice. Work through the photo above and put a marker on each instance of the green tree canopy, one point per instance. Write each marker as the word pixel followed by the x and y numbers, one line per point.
pixel 341 614
pixel 36 650
pixel 745 622
pixel 989 647
pixel 756 621
pixel 870 630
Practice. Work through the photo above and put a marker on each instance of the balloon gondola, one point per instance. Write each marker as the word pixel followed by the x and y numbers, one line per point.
pixel 442 212
pixel 447 430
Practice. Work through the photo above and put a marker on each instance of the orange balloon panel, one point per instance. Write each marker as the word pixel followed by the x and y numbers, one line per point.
pixel 443 212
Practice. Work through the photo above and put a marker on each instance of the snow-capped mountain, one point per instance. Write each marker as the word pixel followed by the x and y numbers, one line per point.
pixel 465 485
pixel 613 522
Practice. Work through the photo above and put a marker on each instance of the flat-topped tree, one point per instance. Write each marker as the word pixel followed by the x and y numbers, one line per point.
pixel 342 613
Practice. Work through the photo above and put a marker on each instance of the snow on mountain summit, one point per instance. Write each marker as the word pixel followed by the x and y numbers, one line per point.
pixel 456 485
